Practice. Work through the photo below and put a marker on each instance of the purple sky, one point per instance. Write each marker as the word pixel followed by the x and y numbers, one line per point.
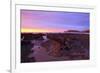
pixel 52 20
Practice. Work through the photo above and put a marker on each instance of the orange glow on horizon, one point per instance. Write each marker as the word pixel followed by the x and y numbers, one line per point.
pixel 30 30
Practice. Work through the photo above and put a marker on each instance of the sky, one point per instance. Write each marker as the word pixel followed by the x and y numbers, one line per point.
pixel 53 21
